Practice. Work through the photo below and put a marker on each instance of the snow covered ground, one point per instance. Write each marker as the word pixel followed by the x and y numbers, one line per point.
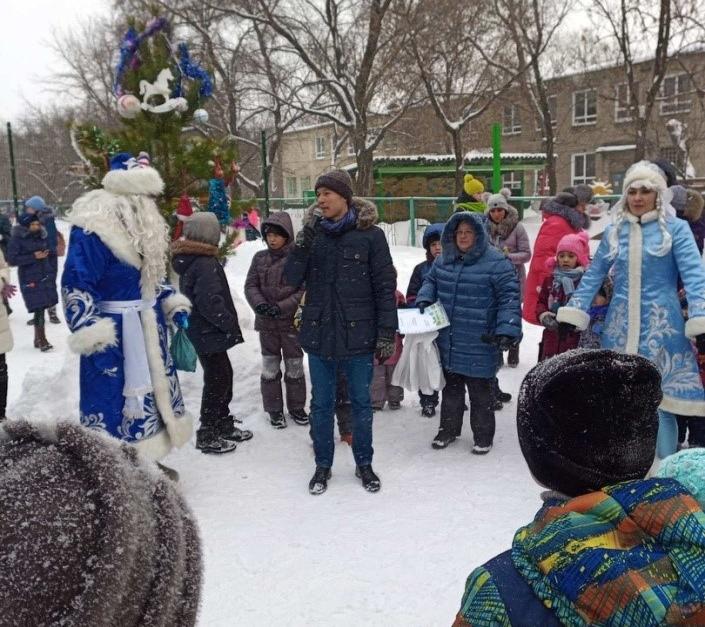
pixel 275 554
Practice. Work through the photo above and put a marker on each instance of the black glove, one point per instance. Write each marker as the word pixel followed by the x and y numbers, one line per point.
pixel 700 343
pixel 385 346
pixel 274 311
pixel 548 320
pixel 422 304
pixel 502 342
pixel 564 328
pixel 262 309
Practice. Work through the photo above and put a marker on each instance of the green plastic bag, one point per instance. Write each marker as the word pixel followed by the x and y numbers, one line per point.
pixel 182 352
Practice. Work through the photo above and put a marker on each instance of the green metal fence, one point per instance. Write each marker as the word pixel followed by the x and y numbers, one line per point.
pixel 413 208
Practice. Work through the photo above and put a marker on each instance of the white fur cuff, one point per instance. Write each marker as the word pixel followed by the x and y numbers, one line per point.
pixel 573 315
pixel 174 304
pixel 143 181
pixel 94 338
pixel 695 326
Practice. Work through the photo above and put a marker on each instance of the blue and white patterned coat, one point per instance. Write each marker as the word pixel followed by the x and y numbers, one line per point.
pixel 103 265
pixel 644 315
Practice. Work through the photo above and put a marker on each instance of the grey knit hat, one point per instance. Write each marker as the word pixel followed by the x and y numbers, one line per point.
pixel 90 533
pixel 337 180
pixel 497 201
pixel 680 197
pixel 203 227
pixel 583 193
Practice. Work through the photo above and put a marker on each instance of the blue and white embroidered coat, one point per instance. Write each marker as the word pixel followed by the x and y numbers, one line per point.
pixel 102 265
pixel 644 315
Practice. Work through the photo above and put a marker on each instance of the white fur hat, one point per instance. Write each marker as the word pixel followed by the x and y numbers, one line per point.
pixel 645 174
pixel 131 176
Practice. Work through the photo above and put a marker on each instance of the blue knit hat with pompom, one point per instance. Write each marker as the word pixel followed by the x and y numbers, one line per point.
pixel 688 468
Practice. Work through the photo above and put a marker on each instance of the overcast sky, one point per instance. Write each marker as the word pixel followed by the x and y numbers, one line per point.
pixel 26 27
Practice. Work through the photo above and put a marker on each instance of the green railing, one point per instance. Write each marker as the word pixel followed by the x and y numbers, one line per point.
pixel 413 208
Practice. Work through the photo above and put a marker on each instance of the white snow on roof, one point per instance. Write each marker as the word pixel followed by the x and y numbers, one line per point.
pixel 615 148
pixel 307 127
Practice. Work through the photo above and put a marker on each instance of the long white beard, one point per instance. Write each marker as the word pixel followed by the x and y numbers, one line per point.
pixel 132 227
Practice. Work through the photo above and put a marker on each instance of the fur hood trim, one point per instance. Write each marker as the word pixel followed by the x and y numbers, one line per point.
pixel 367 214
pixel 136 181
pixel 504 228
pixel 571 215
pixel 693 205
pixel 450 249
pixel 189 247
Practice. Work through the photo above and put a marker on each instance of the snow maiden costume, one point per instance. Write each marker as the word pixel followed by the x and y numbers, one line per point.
pixel 117 311
pixel 647 255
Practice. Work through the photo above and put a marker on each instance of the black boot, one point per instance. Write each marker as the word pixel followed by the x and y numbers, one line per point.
pixel 370 481
pixel 209 441
pixel 443 439
pixel 228 431
pixel 513 356
pixel 503 397
pixel 299 416
pixel 277 420
pixel 319 481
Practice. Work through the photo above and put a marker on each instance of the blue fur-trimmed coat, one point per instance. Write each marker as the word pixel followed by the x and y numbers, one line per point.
pixel 644 315
pixel 96 272
pixel 480 293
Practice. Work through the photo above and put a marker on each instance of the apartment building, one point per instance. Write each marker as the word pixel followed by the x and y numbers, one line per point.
pixel 594 133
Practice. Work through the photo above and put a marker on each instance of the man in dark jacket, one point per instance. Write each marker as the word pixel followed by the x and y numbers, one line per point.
pixel 212 328
pixel 478 287
pixel 608 547
pixel 350 315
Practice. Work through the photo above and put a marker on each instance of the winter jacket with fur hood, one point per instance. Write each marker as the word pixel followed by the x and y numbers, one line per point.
pixel 509 237
pixel 91 533
pixel 350 284
pixel 480 293
pixel 213 325
pixel 559 220
pixel 265 281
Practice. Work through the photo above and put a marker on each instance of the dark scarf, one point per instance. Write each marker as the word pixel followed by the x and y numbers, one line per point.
pixel 346 223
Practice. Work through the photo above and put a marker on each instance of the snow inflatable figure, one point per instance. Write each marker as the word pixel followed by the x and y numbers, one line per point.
pixel 117 310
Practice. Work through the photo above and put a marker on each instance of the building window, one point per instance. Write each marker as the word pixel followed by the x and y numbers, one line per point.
pixel 622 102
pixel 512 180
pixel 291 187
pixel 511 122
pixel 305 183
pixel 584 107
pixel 675 94
pixel 583 168
pixel 553 110
pixel 320 147
pixel 675 155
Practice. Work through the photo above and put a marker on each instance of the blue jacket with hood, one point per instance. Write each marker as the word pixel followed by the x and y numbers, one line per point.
pixel 480 293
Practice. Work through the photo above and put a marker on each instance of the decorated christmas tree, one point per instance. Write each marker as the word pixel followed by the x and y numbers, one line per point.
pixel 160 92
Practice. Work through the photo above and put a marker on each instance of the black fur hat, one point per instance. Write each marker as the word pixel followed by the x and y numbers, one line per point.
pixel 587 418
pixel 90 533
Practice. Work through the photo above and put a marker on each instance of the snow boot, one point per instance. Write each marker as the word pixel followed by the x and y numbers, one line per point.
pixel 299 416
pixel 513 357
pixel 30 322
pixel 481 450
pixel 277 420
pixel 394 405
pixel 228 430
pixel 319 481
pixel 502 397
pixel 428 411
pixel 209 441
pixel 442 440
pixel 40 340
pixel 370 481
pixel 53 318
pixel 497 404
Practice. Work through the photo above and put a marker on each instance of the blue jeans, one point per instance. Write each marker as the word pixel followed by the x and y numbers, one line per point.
pixel 358 372
pixel 667 440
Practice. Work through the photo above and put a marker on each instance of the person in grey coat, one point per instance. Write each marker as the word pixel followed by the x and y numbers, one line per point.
pixel 478 287
pixel 91 533
pixel 509 236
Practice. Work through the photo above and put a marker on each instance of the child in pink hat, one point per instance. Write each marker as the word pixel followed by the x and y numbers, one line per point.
pixel 566 269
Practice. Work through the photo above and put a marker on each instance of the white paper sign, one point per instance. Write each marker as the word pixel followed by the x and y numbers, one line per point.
pixel 412 321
